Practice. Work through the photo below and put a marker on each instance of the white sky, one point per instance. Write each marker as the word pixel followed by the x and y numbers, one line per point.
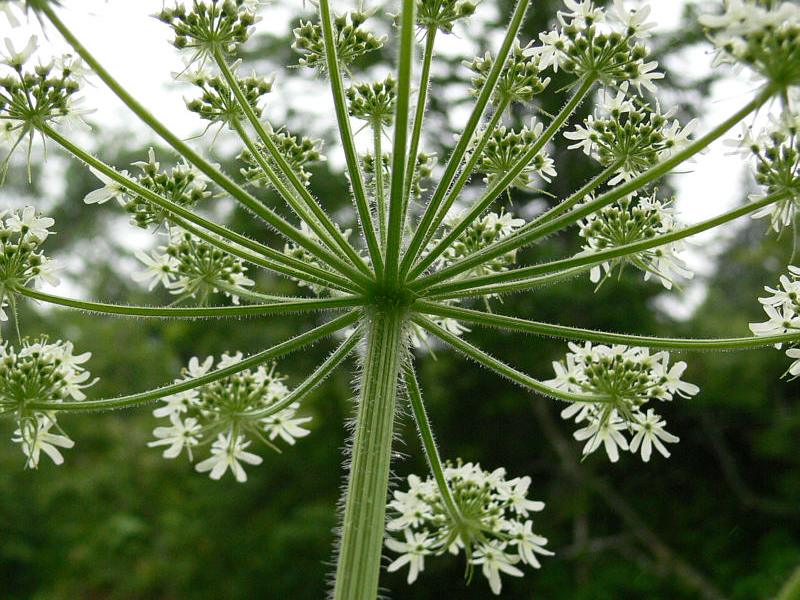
pixel 134 47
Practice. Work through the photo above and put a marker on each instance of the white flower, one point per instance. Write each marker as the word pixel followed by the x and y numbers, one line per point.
pixel 182 434
pixel 604 431
pixel 9 9
pixel 516 492
pixel 650 432
pixel 195 368
pixel 672 378
pixel 412 553
pixel 29 221
pixel 634 20
pixel 528 543
pixel 176 403
pixel 161 269
pixel 226 453
pixel 110 190
pixel 286 425
pixel 493 561
pixel 16 58
pixel 35 437
pixel 794 368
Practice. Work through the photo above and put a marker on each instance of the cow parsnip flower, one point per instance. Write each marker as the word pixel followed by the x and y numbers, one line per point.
pixel 486 515
pixel 352 40
pixel 300 152
pixel 228 414
pixel 782 306
pixel 443 14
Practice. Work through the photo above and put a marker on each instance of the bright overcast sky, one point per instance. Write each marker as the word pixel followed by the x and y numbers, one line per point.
pixel 134 47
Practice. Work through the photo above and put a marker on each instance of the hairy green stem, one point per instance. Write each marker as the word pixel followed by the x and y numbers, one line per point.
pixel 454 162
pixel 394 236
pixel 276 351
pixel 429 443
pixel 515 276
pixel 496 188
pixel 285 306
pixel 320 223
pixel 362 531
pixel 505 288
pixel 604 337
pixel 499 367
pixel 380 192
pixel 227 184
pixel 419 114
pixel 346 135
pixel 518 240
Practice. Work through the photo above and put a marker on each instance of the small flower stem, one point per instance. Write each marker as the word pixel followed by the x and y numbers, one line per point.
pixel 464 176
pixel 518 240
pixel 284 306
pixel 397 201
pixel 419 114
pixel 276 351
pixel 346 134
pixel 516 276
pixel 576 333
pixel 362 530
pixel 183 149
pixel 277 258
pixel 497 188
pixel 380 192
pixel 454 162
pixel 499 367
pixel 429 443
pixel 320 223
pixel 312 381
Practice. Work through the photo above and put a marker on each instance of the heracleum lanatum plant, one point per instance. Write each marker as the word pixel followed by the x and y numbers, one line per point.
pixel 410 269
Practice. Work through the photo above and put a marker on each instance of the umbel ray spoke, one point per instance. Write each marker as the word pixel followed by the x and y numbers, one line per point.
pixel 576 333
pixel 499 367
pixel 260 358
pixel 285 306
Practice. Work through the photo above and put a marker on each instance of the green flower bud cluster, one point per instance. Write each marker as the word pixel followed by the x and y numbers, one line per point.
pixel 422 171
pixel 482 232
pixel 192 268
pixel 633 219
pixel 217 102
pixel 520 81
pixel 182 184
pixel 629 133
pixel 40 371
pixel 232 411
pixel 373 102
pixel 22 263
pixel 298 152
pixel 210 26
pixel 443 14
pixel 506 146
pixel 352 40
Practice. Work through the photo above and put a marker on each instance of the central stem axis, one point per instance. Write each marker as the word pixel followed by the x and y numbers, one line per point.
pixel 359 561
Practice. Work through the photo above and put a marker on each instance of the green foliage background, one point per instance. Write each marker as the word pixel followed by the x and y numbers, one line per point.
pixel 119 522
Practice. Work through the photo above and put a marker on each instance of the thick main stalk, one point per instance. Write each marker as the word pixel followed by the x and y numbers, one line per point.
pixel 358 565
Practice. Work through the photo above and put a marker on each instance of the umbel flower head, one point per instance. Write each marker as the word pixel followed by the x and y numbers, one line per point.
pixel 782 306
pixel 605 45
pixel 352 40
pixel 182 184
pixel 777 155
pixel 624 380
pixel 217 103
pixel 483 514
pixel 22 263
pixel 635 218
pixel 40 371
pixel 373 102
pixel 299 152
pixel 506 146
pixel 764 36
pixel 210 26
pixel 190 267
pixel 228 414
pixel 628 134
pixel 519 82
pixel 443 14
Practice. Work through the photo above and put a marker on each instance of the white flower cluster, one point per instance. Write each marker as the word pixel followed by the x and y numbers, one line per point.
pixel 777 153
pixel 506 146
pixel 491 523
pixel 624 380
pixel 40 371
pixel 192 268
pixel 627 132
pixel 228 414
pixel 607 45
pixel 783 309
pixel 22 232
pixel 633 219
pixel 183 185
pixel 764 36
